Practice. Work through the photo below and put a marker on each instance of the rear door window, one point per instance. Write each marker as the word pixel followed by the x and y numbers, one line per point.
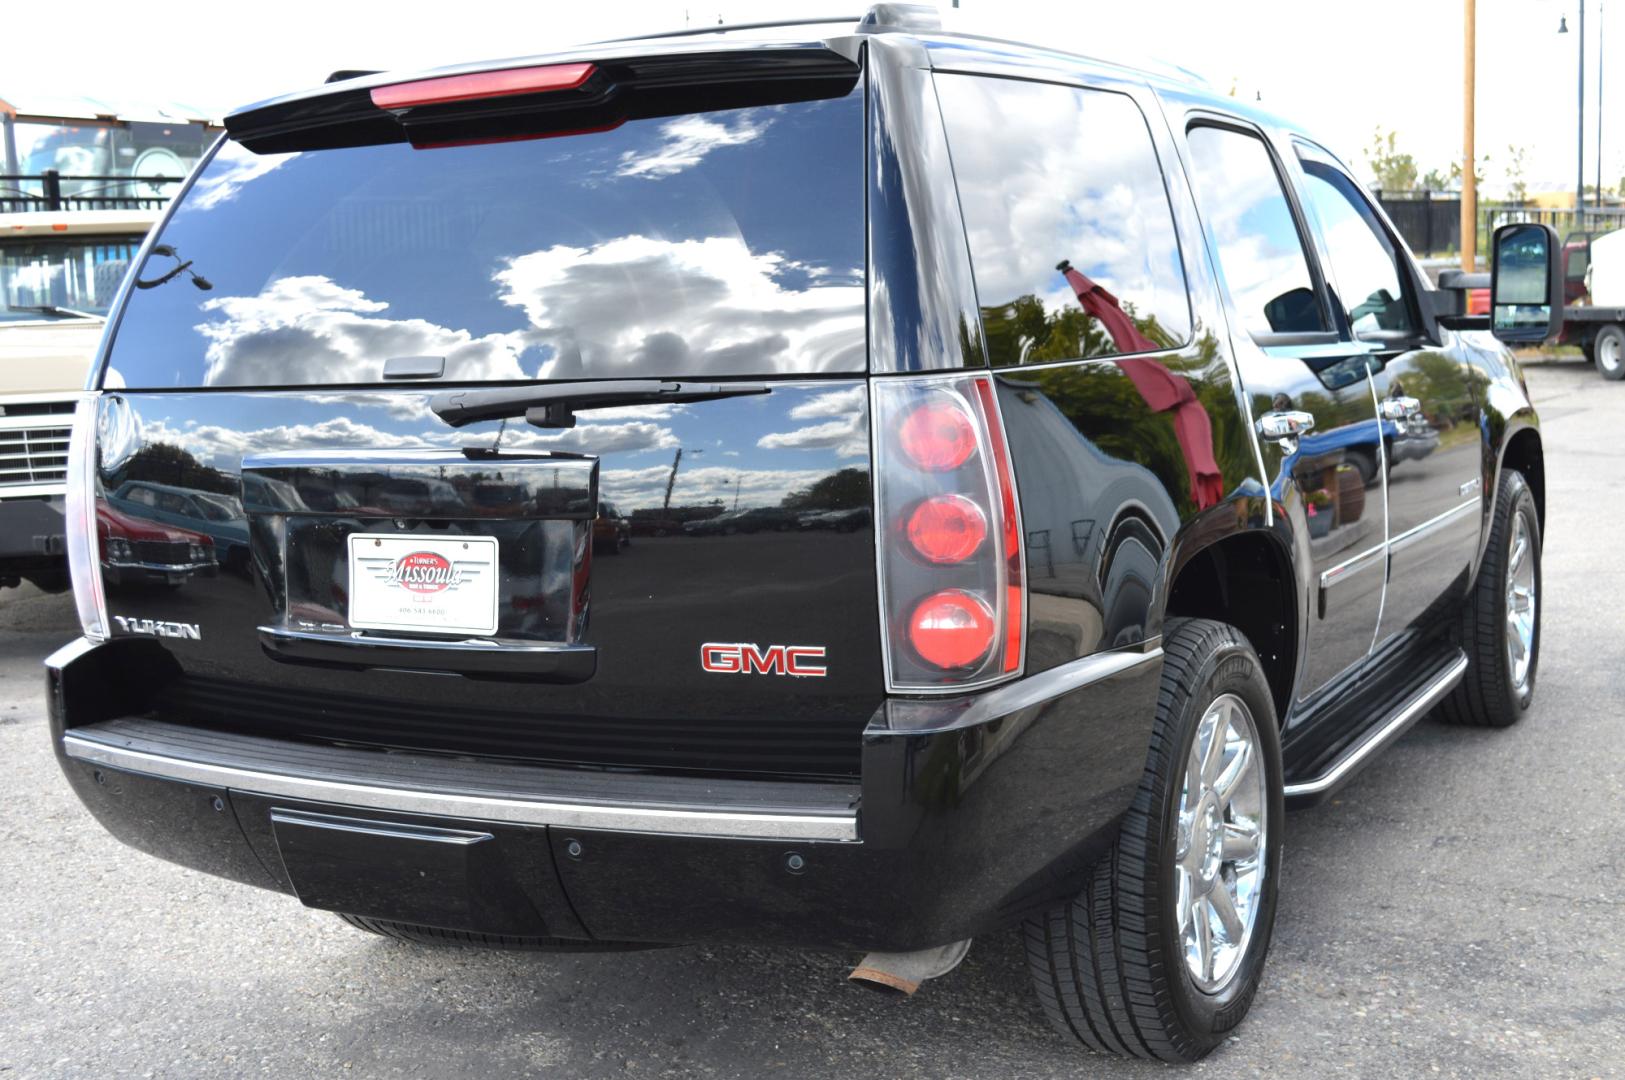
pixel 723 243
pixel 1071 234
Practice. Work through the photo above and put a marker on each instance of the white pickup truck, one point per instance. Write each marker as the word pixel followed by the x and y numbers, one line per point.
pixel 1598 326
pixel 59 273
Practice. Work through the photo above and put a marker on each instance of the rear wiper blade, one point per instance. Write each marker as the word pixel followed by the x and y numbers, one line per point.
pixel 554 405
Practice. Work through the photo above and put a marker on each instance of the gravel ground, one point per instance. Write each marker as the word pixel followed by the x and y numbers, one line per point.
pixel 1456 911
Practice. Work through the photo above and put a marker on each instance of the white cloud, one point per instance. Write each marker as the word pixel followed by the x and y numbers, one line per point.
pixel 848 438
pixel 587 438
pixel 695 306
pixel 845 402
pixel 646 487
pixel 231 170
pixel 687 140
pixel 224 447
pixel 310 330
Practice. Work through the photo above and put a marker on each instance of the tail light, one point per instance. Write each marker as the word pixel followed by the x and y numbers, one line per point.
pixel 79 510
pixel 951 574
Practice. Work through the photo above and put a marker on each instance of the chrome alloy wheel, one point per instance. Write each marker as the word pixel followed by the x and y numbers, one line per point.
pixel 1219 851
pixel 1520 603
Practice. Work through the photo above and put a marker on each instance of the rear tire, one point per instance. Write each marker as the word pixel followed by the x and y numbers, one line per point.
pixel 1608 349
pixel 429 935
pixel 1492 693
pixel 1118 968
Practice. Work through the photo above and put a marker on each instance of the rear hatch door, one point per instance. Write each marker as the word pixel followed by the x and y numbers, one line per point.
pixel 653 580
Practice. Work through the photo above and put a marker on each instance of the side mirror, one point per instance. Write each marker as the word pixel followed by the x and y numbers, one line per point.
pixel 1526 284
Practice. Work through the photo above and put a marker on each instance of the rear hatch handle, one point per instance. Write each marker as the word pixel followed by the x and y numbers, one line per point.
pixel 554 405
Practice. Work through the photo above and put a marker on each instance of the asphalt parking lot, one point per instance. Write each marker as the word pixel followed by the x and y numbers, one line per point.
pixel 1457 911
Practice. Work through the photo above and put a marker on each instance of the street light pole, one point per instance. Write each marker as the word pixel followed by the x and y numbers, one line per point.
pixel 1469 180
pixel 1580 149
pixel 1601 67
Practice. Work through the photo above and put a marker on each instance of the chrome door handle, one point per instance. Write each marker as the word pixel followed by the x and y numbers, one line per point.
pixel 1399 408
pixel 1285 424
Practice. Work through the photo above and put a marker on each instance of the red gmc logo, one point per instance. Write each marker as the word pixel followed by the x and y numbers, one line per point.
pixel 745 659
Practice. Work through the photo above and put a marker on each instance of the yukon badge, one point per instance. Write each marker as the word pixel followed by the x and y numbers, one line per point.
pixel 155 628
pixel 741 658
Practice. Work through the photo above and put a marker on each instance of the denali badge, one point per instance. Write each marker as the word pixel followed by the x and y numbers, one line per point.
pixel 746 659
pixel 154 628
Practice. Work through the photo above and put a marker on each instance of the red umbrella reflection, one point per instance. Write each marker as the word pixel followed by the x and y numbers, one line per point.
pixel 1163 390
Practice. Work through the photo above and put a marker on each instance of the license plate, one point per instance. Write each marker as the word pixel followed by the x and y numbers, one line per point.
pixel 427 585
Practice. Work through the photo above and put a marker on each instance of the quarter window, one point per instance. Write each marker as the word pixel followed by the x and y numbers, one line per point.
pixel 1070 231
pixel 1245 211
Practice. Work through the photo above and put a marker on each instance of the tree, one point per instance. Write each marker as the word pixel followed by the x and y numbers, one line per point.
pixel 844 489
pixel 1434 180
pixel 1517 190
pixel 1392 170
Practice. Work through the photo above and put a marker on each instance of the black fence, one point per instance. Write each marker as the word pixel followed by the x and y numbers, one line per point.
pixel 1430 221
pixel 52 190
pixel 1593 220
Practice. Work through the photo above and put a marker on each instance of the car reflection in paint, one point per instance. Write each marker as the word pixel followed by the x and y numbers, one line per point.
pixel 756 519
pixel 216 515
pixel 847 520
pixel 136 552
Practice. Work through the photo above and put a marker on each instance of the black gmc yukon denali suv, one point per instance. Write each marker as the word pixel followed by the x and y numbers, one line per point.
pixel 1031 476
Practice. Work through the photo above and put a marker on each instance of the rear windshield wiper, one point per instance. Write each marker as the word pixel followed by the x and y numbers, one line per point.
pixel 54 309
pixel 554 405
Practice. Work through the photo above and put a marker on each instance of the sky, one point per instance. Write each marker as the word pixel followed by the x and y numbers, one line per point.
pixel 1340 67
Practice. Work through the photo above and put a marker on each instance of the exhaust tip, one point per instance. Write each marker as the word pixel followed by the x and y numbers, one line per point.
pixel 883 982
pixel 900 974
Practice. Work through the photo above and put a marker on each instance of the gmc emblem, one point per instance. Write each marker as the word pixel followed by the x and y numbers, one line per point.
pixel 745 659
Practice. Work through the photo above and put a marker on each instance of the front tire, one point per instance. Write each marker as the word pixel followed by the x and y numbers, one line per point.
pixel 1160 954
pixel 1499 625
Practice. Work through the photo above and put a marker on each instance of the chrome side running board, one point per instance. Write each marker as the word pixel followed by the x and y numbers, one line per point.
pixel 1382 734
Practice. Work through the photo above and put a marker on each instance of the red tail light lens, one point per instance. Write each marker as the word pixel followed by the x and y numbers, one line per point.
pixel 947 528
pixel 1005 486
pixel 938 436
pixel 950 558
pixel 952 630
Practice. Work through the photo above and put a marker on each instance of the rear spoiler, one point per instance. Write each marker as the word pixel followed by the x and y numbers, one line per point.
pixel 527 99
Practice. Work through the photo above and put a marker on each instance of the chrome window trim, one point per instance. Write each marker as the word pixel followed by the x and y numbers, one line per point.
pixel 517 811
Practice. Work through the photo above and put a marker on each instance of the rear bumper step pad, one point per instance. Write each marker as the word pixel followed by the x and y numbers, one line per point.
pixel 475 790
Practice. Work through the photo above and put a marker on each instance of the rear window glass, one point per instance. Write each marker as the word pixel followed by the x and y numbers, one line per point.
pixel 724 243
pixel 1071 234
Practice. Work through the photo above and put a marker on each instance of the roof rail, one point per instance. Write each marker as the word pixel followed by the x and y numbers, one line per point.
pixel 723 28
pixel 878 17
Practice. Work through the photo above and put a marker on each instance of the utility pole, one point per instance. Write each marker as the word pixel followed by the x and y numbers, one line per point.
pixel 671 480
pixel 1469 176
